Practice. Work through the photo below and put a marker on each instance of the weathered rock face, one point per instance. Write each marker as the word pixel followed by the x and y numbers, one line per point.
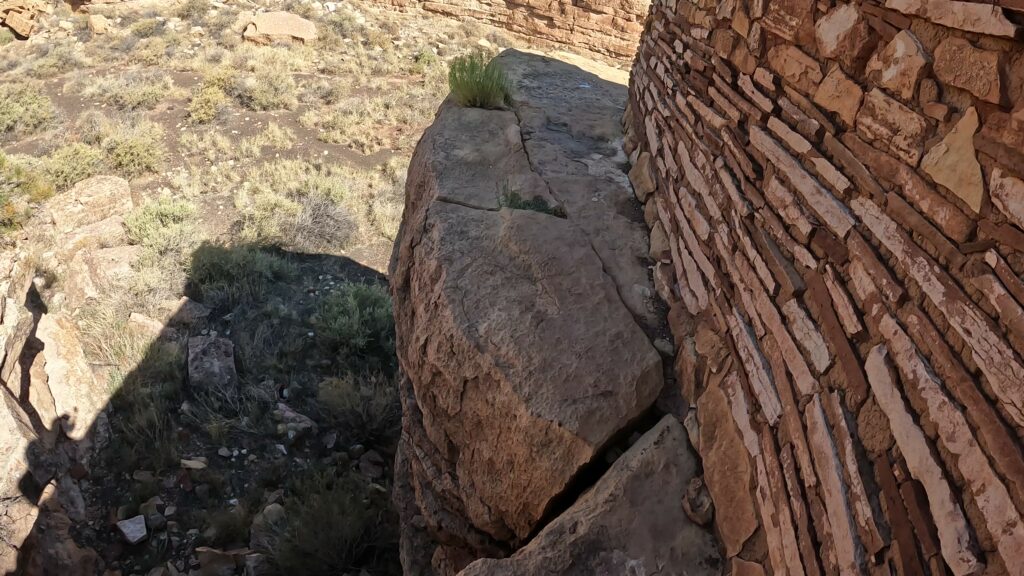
pixel 841 188
pixel 523 332
pixel 618 527
pixel 608 27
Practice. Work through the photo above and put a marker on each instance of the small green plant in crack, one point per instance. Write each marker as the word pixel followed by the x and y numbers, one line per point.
pixel 515 201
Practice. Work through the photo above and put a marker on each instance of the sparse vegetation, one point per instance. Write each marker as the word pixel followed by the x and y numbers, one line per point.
pixel 226 277
pixel 477 81
pixel 162 226
pixel 365 408
pixel 6 36
pixel 193 10
pixel 335 523
pixel 24 107
pixel 537 204
pixel 129 92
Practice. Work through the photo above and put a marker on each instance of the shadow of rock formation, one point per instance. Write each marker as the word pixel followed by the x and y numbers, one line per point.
pixel 104 471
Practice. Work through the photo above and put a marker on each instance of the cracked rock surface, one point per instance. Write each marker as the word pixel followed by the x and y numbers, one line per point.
pixel 522 332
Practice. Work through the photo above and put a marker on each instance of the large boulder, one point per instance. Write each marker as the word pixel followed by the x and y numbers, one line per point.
pixel 267 27
pixel 631 522
pixel 524 357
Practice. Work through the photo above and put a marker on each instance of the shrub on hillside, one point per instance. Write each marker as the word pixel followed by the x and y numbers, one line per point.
pixel 356 324
pixel 134 148
pixel 477 82
pixel 72 163
pixel 365 409
pixel 206 104
pixel 162 226
pixel 24 107
pixel 334 525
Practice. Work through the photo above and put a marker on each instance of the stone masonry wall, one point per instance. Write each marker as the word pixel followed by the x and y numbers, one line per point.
pixel 836 200
pixel 608 27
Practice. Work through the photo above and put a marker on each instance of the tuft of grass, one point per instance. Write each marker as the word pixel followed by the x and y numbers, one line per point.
pixel 134 147
pixel 56 59
pixel 72 163
pixel 228 276
pixel 163 226
pixel 6 36
pixel 356 324
pixel 206 104
pixel 17 180
pixel 24 108
pixel 334 525
pixel 365 409
pixel 477 82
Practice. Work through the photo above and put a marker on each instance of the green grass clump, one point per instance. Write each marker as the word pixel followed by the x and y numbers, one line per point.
pixel 162 226
pixel 72 163
pixel 20 181
pixel 24 107
pixel 145 28
pixel 357 325
pixel 206 104
pixel 6 36
pixel 335 525
pixel 229 276
pixel 477 82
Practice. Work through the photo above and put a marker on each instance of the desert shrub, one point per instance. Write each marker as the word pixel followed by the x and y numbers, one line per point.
pixel 145 28
pixel 72 163
pixel 134 148
pixel 228 276
pixel 194 9
pixel 132 91
pixel 6 36
pixel 274 136
pixel 221 76
pixel 365 408
pixel 367 125
pixel 227 527
pixel 206 104
pixel 24 107
pixel 477 82
pixel 423 61
pixel 355 323
pixel 334 525
pixel 269 84
pixel 162 226
pixel 18 180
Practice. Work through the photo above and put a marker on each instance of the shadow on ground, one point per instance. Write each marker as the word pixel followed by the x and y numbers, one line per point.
pixel 254 435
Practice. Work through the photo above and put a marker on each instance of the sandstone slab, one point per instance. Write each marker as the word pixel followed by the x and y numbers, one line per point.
pixel 899 66
pixel 79 399
pixel 211 363
pixel 969 16
pixel 892 126
pixel 954 163
pixel 266 27
pixel 958 63
pixel 838 93
pixel 90 201
pixel 631 522
pixel 844 35
pixel 1007 194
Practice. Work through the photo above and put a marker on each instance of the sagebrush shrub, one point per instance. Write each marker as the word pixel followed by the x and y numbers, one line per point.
pixel 355 322
pixel 24 107
pixel 477 82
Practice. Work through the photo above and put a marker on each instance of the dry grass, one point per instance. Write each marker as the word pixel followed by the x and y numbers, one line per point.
pixel 24 108
pixel 140 90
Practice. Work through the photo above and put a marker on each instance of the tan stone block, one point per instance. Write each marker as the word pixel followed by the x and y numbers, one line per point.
pixel 958 63
pixel 892 126
pixel 899 66
pixel 796 67
pixel 837 93
pixel 954 164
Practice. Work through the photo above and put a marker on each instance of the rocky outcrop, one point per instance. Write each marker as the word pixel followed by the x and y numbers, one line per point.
pixel 525 315
pixel 840 186
pixel 606 27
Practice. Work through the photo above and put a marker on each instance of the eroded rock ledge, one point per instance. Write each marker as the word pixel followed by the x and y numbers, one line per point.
pixel 526 339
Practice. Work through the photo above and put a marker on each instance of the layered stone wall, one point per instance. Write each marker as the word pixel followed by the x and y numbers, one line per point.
pixel 836 204
pixel 608 27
